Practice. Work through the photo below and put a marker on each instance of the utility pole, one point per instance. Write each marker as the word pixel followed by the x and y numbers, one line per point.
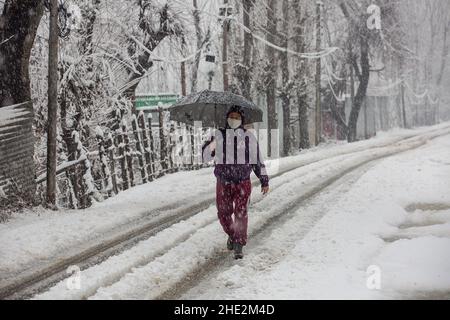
pixel 225 54
pixel 245 75
pixel 225 10
pixel 318 114
pixel 52 104
pixel 402 88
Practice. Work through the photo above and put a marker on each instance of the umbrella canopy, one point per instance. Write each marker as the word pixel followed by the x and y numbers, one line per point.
pixel 211 107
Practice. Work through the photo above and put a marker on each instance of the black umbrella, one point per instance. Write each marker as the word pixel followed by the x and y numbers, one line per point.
pixel 211 107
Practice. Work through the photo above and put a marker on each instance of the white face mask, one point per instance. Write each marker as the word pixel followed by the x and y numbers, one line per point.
pixel 234 123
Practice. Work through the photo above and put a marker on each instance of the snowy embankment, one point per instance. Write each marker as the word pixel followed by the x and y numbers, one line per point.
pixel 157 264
pixel 40 236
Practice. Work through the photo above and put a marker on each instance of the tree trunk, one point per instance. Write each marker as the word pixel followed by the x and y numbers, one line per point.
pixel 301 71
pixel 198 34
pixel 318 109
pixel 110 146
pixel 285 87
pixel 362 89
pixel 19 22
pixel 444 55
pixel 167 28
pixel 18 26
pixel 271 78
pixel 243 72
pixel 402 92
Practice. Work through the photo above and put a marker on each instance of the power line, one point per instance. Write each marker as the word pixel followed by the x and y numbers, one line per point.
pixel 306 55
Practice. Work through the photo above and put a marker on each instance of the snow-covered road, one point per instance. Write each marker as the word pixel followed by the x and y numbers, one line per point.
pixel 313 236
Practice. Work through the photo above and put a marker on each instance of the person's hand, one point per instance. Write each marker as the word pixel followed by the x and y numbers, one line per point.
pixel 265 190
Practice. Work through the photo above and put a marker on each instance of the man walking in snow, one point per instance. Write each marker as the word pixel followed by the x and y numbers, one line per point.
pixel 236 153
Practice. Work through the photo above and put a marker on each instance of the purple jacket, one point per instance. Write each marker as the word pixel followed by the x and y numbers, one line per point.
pixel 237 169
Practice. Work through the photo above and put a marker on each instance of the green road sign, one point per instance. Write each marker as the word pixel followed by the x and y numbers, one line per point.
pixel 151 102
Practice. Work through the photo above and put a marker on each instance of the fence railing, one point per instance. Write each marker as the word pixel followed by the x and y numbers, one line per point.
pixel 136 152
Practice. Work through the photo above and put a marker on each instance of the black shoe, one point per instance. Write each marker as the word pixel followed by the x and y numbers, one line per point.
pixel 238 251
pixel 230 244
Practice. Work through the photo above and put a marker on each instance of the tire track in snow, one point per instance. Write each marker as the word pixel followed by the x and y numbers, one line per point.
pixel 263 251
pixel 99 275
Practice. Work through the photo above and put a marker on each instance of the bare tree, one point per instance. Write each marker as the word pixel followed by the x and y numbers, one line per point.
pixel 270 72
pixel 445 44
pixel 78 93
pixel 360 63
pixel 198 34
pixel 301 75
pixel 153 33
pixel 286 83
pixel 19 22
pixel 243 71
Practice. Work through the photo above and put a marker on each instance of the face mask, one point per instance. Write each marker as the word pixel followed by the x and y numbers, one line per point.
pixel 234 123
